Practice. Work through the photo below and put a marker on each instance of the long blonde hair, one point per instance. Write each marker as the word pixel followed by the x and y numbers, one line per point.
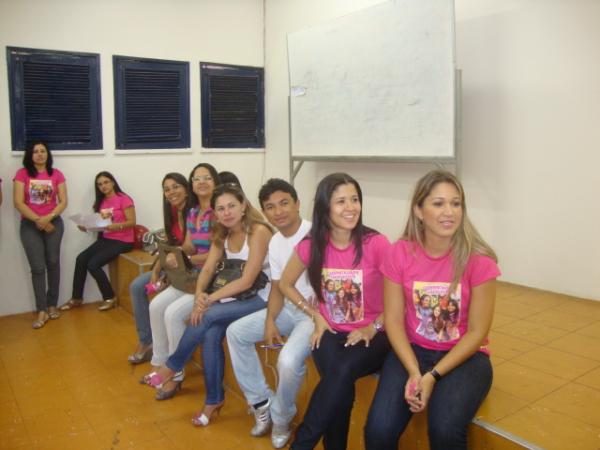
pixel 251 215
pixel 466 240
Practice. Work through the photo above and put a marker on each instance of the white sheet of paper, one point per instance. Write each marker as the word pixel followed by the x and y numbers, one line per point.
pixel 91 222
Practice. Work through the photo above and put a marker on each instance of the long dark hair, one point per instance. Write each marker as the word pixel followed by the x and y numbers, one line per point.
pixel 213 173
pixel 167 212
pixel 28 158
pixel 321 227
pixel 100 195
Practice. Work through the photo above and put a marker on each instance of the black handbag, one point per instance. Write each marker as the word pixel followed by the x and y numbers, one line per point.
pixel 182 277
pixel 229 270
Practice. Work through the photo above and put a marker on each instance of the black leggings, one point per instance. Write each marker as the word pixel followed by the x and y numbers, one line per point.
pixel 92 259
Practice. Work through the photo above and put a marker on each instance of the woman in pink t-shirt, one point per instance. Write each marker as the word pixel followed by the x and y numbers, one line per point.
pixel 439 302
pixel 116 238
pixel 40 195
pixel 175 206
pixel 342 258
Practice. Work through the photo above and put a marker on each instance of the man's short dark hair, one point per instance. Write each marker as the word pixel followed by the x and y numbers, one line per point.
pixel 273 185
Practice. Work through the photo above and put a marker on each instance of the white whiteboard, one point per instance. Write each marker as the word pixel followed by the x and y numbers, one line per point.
pixel 376 83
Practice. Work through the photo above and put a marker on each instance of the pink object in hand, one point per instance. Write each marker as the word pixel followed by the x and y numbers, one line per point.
pixel 152 288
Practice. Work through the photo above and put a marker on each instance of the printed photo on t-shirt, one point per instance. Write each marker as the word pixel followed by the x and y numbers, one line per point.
pixel 106 213
pixel 40 192
pixel 342 292
pixel 437 312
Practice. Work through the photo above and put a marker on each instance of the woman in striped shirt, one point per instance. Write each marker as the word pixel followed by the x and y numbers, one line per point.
pixel 171 308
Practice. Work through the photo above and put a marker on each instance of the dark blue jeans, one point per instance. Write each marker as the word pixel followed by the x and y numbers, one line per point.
pixel 43 253
pixel 330 407
pixel 92 259
pixel 210 333
pixel 453 403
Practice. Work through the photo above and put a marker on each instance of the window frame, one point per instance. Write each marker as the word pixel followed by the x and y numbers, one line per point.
pixel 16 57
pixel 120 64
pixel 207 69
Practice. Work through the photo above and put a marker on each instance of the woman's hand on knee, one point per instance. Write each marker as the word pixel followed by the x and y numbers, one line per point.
pixel 196 316
pixel 321 325
pixel 361 334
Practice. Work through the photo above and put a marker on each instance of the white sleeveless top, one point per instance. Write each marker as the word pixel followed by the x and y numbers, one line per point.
pixel 243 255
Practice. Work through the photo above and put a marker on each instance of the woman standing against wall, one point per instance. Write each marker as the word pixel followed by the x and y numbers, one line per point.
pixel 40 195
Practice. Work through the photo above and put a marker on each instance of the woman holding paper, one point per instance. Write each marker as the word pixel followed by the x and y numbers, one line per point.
pixel 116 238
pixel 40 195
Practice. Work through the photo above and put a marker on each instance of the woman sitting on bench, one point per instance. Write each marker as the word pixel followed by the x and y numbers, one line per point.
pixel 116 238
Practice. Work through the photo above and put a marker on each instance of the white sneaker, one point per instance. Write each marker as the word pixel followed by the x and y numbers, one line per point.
pixel 262 416
pixel 280 435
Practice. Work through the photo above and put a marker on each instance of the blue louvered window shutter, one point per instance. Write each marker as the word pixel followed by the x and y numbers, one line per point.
pixel 151 103
pixel 55 96
pixel 232 106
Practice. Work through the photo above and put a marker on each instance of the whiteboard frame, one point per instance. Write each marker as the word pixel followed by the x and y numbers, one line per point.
pixel 296 162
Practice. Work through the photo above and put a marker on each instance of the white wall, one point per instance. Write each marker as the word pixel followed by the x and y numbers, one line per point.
pixel 201 30
pixel 531 103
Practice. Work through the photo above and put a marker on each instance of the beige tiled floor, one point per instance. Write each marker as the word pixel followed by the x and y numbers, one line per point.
pixel 546 355
pixel 68 385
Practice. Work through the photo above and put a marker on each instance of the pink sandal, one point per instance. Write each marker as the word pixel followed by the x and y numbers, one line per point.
pixel 156 380
pixel 152 379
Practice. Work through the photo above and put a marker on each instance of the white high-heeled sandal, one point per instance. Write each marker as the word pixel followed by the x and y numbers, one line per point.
pixel 202 420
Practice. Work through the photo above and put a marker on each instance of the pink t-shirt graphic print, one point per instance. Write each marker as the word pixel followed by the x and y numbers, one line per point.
pixel 40 191
pixel 433 319
pixel 342 292
pixel 437 314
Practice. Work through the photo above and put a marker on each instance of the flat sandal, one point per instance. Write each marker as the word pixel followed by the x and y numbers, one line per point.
pixel 39 323
pixel 53 313
pixel 72 303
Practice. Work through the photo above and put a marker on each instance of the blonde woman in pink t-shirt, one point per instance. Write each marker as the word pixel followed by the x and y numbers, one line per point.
pixel 40 195
pixel 116 238
pixel 441 363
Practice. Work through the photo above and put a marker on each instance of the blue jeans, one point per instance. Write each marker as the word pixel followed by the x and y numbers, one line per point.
pixel 291 367
pixel 210 333
pixel 330 406
pixel 43 253
pixel 141 307
pixel 453 403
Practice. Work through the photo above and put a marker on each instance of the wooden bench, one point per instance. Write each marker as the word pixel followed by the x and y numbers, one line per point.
pixel 481 437
pixel 124 269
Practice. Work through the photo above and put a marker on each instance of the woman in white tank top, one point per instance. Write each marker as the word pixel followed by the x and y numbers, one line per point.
pixel 239 233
